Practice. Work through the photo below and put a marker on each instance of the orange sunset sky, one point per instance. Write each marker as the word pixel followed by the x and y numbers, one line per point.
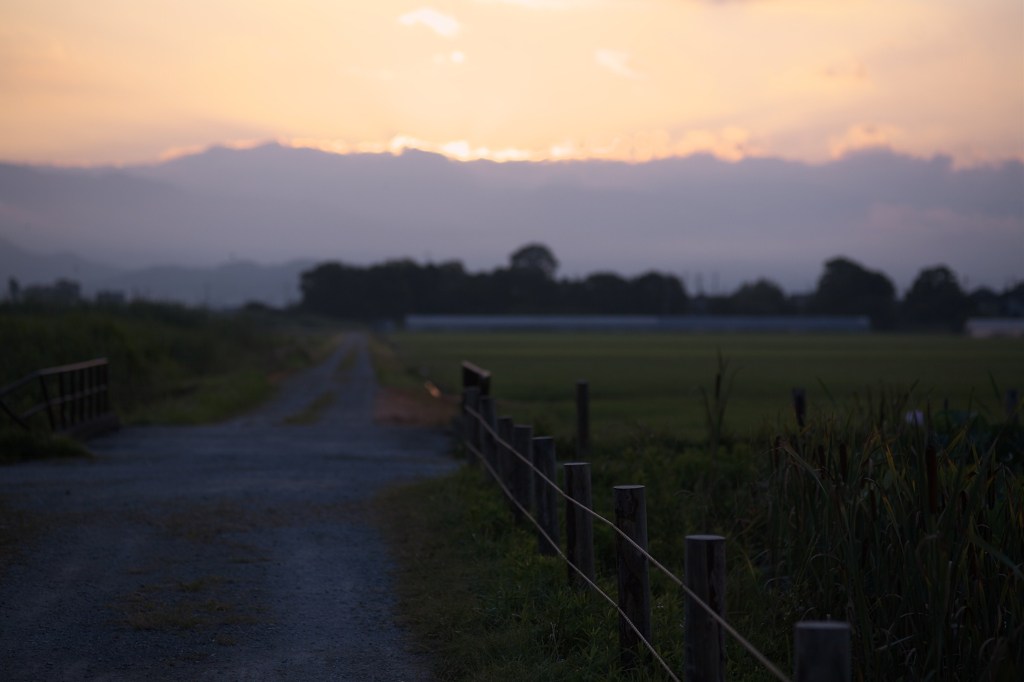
pixel 123 81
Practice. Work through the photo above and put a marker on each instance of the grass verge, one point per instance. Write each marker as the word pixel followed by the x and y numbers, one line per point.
pixel 480 599
pixel 18 446
pixel 409 395
pixel 168 364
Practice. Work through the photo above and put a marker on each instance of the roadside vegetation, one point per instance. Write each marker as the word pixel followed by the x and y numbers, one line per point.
pixel 169 364
pixel 17 445
pixel 897 506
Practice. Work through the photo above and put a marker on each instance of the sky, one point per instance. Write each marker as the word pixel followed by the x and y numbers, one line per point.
pixel 125 82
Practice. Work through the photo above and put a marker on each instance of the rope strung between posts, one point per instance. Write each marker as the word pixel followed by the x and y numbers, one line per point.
pixel 751 649
pixel 554 545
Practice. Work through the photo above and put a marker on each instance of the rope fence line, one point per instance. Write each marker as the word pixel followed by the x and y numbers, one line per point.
pixel 743 642
pixel 822 649
pixel 527 515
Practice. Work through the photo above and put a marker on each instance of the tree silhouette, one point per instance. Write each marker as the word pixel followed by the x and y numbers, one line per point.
pixel 847 288
pixel 534 257
pixel 935 300
pixel 762 297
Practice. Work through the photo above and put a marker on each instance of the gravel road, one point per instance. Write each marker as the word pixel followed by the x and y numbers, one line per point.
pixel 241 551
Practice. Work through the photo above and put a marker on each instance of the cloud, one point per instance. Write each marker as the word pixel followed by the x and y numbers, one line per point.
pixel 617 61
pixel 462 150
pixel 543 4
pixel 863 136
pixel 371 74
pixel 454 58
pixel 726 144
pixel 851 70
pixel 442 24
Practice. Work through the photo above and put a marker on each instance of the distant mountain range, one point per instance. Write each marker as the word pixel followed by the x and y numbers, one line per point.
pixel 227 285
pixel 225 217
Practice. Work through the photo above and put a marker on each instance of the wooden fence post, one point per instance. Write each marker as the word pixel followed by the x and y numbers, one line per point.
pixel 90 403
pixel 522 476
pixel 105 374
pixel 95 371
pixel 476 376
pixel 579 525
pixel 48 402
pixel 505 457
pixel 633 578
pixel 582 420
pixel 822 651
pixel 470 423
pixel 80 395
pixel 62 409
pixel 544 496
pixel 703 637
pixel 488 444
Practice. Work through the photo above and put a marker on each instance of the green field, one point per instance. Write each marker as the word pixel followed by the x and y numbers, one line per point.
pixel 656 380
pixel 913 535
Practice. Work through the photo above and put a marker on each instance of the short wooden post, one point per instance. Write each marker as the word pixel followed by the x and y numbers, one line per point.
pixel 90 401
pixel 800 406
pixel 48 402
pixel 72 398
pixel 104 381
pixel 80 399
pixel 471 425
pixel 85 394
pixel 544 495
pixel 703 637
pixel 579 525
pixel 505 457
pixel 582 420
pixel 1010 404
pixel 62 408
pixel 822 651
pixel 93 386
pixel 487 441
pixel 106 387
pixel 522 475
pixel 633 578
pixel 476 376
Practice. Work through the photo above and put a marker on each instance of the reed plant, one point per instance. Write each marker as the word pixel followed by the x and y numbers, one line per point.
pixel 909 525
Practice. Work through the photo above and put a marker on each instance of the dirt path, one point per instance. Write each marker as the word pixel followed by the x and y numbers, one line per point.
pixel 240 551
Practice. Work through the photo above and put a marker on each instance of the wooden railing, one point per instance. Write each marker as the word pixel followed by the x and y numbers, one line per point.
pixel 524 468
pixel 70 399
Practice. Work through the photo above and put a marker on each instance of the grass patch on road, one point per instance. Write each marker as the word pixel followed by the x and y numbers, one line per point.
pixel 183 606
pixel 312 413
pixel 345 366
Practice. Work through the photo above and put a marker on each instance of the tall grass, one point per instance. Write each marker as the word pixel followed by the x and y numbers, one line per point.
pixel 168 363
pixel 911 529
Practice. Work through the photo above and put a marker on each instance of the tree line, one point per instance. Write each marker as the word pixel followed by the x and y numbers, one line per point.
pixel 528 285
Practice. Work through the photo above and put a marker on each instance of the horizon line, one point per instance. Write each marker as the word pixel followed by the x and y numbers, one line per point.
pixel 461 151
